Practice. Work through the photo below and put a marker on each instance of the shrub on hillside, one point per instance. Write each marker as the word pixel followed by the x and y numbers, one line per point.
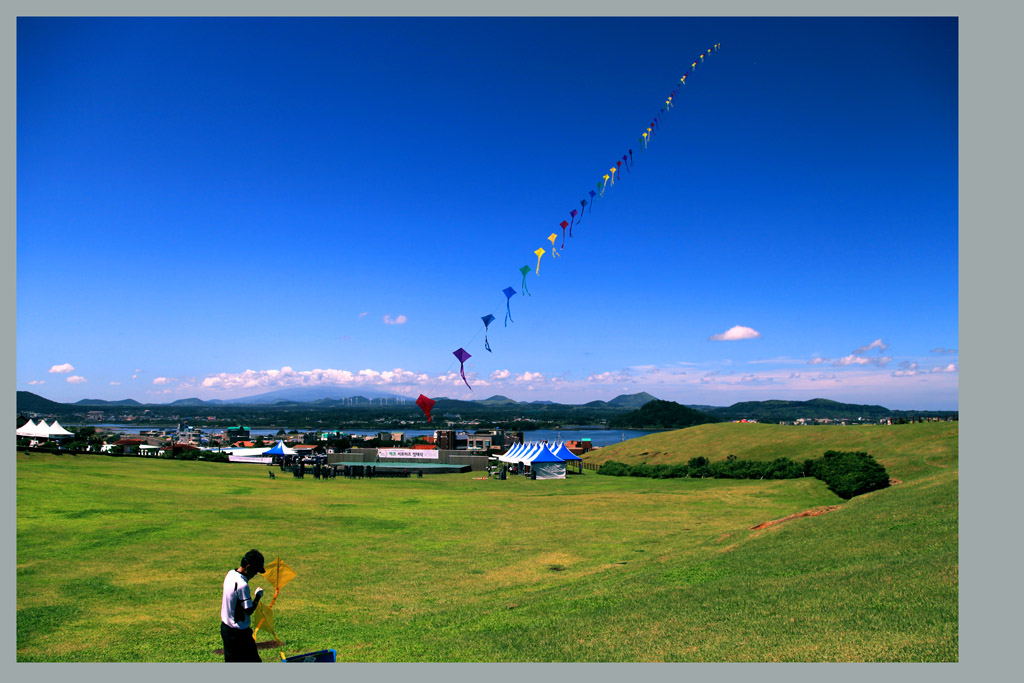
pixel 698 466
pixel 614 469
pixel 848 474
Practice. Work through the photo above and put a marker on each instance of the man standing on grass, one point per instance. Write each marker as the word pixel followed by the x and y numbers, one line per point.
pixel 236 608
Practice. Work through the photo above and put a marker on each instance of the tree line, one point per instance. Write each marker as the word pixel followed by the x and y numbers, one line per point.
pixel 846 473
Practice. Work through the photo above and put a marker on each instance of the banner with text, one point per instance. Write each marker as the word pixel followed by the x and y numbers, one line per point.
pixel 412 453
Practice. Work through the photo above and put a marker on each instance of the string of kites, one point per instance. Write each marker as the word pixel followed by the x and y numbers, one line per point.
pixel 607 181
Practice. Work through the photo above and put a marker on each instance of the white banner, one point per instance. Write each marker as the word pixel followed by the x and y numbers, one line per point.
pixel 407 453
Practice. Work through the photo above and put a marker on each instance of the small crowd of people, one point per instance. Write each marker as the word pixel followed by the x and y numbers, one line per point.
pixel 322 470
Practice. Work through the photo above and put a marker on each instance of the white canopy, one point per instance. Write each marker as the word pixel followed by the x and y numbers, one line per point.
pixel 57 430
pixel 43 431
pixel 280 449
pixel 525 452
pixel 510 453
pixel 27 429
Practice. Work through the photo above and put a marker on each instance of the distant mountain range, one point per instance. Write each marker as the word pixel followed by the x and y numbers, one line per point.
pixel 320 397
pixel 308 399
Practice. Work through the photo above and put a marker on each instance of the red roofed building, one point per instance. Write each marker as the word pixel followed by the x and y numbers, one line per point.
pixel 579 447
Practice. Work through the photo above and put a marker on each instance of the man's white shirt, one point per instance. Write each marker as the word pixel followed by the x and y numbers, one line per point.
pixel 236 587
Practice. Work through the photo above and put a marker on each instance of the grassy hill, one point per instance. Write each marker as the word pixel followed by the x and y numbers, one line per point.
pixel 453 568
pixel 907 451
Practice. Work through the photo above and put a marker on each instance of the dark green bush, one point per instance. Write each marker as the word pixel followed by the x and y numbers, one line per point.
pixel 642 470
pixel 614 469
pixel 848 474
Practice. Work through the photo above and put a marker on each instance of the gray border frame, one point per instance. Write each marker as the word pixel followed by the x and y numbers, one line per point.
pixel 989 587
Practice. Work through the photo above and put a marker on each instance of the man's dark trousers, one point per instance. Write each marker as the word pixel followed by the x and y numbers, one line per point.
pixel 239 645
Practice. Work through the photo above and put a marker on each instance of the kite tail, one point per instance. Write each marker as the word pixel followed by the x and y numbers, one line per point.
pixel 487 344
pixel 508 309
pixel 462 371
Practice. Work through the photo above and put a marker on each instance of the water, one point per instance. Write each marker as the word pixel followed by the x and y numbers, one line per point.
pixel 598 437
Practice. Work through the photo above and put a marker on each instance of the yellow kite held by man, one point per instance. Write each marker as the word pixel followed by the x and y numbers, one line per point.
pixel 278 574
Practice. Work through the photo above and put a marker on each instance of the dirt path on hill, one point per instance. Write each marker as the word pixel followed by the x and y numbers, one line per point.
pixel 806 513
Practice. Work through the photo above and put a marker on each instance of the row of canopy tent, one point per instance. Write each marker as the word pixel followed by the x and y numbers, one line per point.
pixel 41 430
pixel 546 463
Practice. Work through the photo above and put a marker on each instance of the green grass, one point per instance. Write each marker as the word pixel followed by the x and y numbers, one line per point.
pixel 907 451
pixel 122 560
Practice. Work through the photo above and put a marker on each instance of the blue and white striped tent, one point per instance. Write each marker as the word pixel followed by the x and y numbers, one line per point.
pixel 545 464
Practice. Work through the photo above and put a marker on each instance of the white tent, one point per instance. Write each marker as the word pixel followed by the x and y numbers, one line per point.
pixel 42 431
pixel 28 429
pixel 56 431
pixel 280 449
pixel 518 456
pixel 512 453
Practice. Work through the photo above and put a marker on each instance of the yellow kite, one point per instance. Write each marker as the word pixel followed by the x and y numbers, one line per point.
pixel 539 253
pixel 554 252
pixel 278 574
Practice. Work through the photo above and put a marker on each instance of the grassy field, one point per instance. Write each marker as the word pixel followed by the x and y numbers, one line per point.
pixel 121 559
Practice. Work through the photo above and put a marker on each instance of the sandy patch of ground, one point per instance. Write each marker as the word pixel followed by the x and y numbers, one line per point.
pixel 806 513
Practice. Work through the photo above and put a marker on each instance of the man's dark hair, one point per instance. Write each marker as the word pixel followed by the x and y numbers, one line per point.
pixel 254 559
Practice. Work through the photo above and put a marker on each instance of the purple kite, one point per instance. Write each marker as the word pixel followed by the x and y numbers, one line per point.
pixel 564 225
pixel 487 321
pixel 627 163
pixel 463 357
pixel 630 157
pixel 573 214
pixel 509 293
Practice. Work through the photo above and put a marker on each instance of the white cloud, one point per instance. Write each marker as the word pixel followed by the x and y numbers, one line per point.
pixel 877 344
pixel 794 375
pixel 880 361
pixel 609 378
pixel 115 383
pixel 500 374
pixel 818 361
pixel 65 368
pixel 364 314
pixel 736 333
pixel 530 377
pixel 38 381
pixel 289 377
pixel 399 320
pixel 134 376
pixel 949 368
pixel 161 380
pixel 907 369
pixel 780 360
pixel 75 379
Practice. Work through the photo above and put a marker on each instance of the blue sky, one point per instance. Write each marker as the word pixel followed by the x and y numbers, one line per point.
pixel 223 207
